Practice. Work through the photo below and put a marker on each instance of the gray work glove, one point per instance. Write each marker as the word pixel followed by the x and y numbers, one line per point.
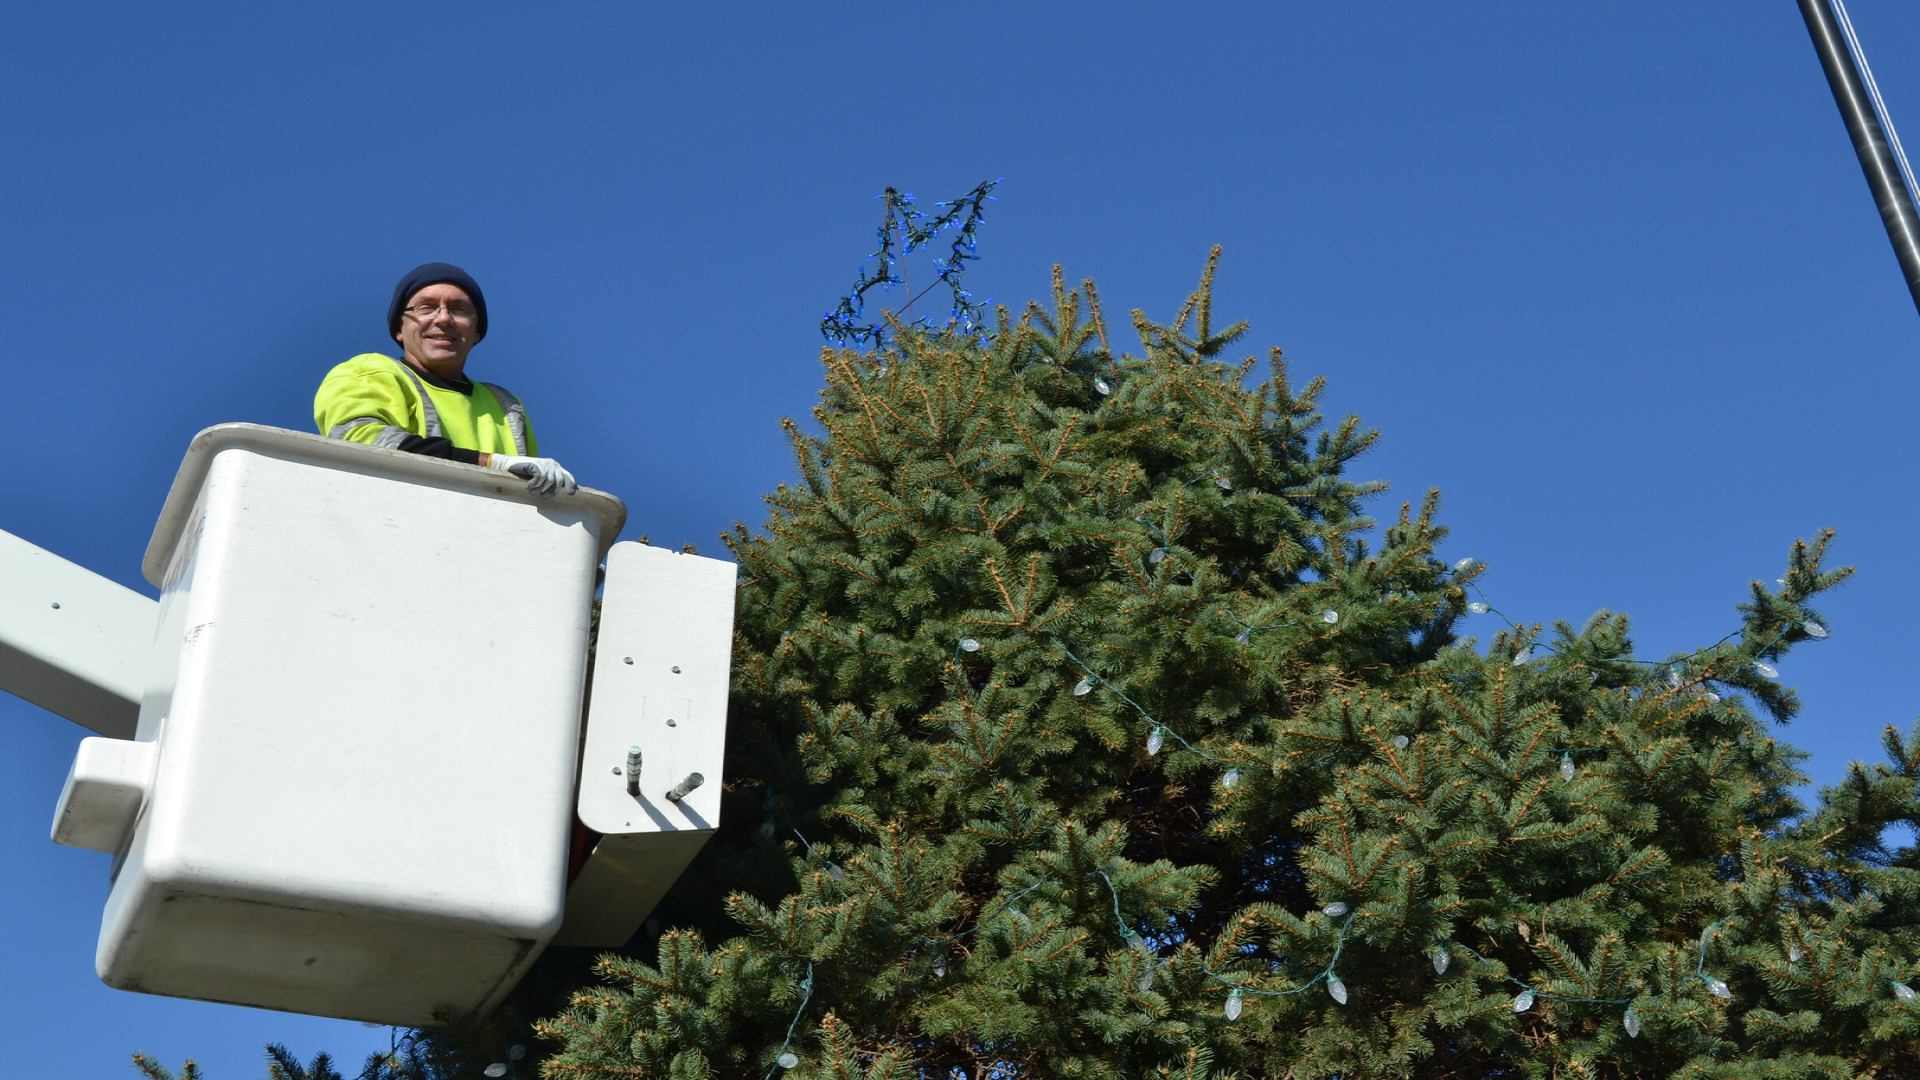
pixel 543 475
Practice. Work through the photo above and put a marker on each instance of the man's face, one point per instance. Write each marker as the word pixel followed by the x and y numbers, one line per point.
pixel 438 327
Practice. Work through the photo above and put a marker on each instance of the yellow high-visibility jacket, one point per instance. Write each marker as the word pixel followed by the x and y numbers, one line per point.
pixel 381 401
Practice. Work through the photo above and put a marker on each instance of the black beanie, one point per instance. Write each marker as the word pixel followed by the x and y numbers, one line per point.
pixel 436 274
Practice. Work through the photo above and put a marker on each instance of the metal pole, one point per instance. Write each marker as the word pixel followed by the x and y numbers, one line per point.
pixel 1869 139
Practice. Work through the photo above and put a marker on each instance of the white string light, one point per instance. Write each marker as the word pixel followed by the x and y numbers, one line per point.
pixel 1676 672
pixel 1439 955
pixel 786 1058
pixel 1157 737
pixel 1248 629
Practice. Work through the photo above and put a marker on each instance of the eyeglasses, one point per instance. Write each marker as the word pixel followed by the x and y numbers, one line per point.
pixel 459 311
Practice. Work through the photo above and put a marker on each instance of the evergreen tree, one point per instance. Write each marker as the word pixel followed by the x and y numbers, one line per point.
pixel 151 1068
pixel 1080 730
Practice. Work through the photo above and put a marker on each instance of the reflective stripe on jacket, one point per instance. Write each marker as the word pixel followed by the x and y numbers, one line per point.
pixel 378 400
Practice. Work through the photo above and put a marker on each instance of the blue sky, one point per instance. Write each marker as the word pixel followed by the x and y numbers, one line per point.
pixel 1607 275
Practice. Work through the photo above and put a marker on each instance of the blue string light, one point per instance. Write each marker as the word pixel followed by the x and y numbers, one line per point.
pixel 902 230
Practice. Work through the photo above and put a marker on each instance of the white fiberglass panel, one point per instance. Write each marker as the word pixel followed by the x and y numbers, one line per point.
pixel 369 690
pixel 660 683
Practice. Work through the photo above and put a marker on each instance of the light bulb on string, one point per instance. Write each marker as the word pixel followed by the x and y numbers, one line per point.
pixel 1235 1004
pixel 1523 1001
pixel 1768 670
pixel 1903 991
pixel 1794 953
pixel 1465 565
pixel 787 1060
pixel 1083 687
pixel 1244 636
pixel 1101 385
pixel 1709 697
pixel 1223 483
pixel 1329 616
pixel 1676 675
pixel 1156 555
pixel 1400 742
pixel 1631 1022
pixel 833 871
pixel 1145 982
pixel 1441 958
pixel 1155 740
pixel 498 1068
pixel 517 1052
pixel 1336 989
pixel 967 644
pixel 1814 629
pixel 1566 766
pixel 1337 908
pixel 1521 657
pixel 1231 779
pixel 1717 988
pixel 940 968
pixel 1478 608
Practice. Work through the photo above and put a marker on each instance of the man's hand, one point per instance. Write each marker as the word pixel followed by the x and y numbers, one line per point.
pixel 544 476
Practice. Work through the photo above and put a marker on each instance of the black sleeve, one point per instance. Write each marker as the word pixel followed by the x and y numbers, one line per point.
pixel 439 447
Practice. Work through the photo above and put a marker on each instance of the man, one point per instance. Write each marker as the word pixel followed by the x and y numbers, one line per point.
pixel 423 403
